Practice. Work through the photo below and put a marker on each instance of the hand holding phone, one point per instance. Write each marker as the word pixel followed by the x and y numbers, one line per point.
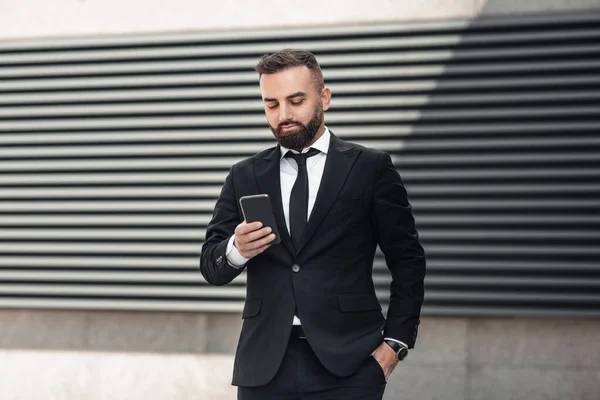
pixel 259 229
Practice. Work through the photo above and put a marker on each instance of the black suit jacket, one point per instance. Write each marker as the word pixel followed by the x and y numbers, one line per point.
pixel 361 203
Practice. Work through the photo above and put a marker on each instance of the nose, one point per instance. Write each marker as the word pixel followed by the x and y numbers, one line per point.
pixel 284 113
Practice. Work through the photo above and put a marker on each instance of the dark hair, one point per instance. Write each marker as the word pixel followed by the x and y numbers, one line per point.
pixel 281 60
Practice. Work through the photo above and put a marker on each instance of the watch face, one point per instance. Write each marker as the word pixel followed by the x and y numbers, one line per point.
pixel 402 353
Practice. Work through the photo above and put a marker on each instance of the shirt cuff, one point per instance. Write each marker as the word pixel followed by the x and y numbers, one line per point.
pixel 397 341
pixel 234 258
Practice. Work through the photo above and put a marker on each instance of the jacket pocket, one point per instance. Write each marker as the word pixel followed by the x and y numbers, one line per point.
pixel 353 302
pixel 251 308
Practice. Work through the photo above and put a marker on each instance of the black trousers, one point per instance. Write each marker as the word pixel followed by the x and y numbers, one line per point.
pixel 301 376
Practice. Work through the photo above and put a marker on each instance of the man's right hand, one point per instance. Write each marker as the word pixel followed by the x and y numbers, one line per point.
pixel 252 239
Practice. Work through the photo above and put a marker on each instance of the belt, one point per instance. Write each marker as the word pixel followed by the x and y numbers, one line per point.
pixel 298 332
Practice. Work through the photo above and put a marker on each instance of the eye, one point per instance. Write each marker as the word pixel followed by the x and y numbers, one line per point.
pixel 297 103
pixel 273 106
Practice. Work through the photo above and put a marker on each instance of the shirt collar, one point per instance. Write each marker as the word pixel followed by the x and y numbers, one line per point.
pixel 322 144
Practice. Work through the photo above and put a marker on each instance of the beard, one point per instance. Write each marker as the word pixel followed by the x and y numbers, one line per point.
pixel 299 138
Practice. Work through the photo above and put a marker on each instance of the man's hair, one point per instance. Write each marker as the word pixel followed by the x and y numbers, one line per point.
pixel 284 59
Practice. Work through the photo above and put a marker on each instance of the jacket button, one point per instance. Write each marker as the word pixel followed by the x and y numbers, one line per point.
pixel 295 268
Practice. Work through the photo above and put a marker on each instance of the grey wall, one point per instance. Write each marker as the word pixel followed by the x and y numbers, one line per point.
pixel 138 355
pixel 113 152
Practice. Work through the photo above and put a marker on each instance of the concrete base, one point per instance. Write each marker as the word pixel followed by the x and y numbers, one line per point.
pixel 66 375
pixel 134 355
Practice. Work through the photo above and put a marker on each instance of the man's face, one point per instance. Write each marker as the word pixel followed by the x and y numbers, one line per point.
pixel 293 106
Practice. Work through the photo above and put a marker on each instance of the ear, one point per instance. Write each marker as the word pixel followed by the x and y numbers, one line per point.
pixel 325 98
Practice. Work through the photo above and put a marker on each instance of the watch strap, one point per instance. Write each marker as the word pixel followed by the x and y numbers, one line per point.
pixel 394 345
pixel 401 351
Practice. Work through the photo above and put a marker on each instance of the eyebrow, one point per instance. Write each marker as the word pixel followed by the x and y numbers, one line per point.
pixel 291 96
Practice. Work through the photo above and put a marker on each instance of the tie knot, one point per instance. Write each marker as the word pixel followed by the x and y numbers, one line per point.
pixel 301 158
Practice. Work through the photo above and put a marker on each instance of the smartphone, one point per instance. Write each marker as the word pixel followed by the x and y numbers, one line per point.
pixel 258 208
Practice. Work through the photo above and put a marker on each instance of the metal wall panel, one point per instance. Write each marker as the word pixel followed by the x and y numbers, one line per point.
pixel 113 151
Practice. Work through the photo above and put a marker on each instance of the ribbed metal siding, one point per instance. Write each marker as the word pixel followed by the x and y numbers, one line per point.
pixel 113 151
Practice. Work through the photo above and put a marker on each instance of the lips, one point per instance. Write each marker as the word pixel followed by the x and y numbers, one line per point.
pixel 288 127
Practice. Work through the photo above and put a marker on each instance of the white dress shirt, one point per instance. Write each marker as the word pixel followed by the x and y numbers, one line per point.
pixel 315 166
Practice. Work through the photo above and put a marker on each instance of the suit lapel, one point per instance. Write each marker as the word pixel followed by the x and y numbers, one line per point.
pixel 266 171
pixel 340 158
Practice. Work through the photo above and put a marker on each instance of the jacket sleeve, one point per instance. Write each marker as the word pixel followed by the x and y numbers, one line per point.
pixel 213 260
pixel 404 255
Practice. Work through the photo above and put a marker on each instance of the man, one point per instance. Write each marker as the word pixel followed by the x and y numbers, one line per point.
pixel 313 327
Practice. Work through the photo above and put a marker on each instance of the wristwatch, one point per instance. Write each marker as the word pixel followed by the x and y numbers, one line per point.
pixel 401 351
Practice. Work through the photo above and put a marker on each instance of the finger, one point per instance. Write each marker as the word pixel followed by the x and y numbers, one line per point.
pixel 267 239
pixel 243 239
pixel 256 235
pixel 257 244
pixel 245 228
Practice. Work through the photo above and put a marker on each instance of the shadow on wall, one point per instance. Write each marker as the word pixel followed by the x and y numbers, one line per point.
pixel 498 7
pixel 502 168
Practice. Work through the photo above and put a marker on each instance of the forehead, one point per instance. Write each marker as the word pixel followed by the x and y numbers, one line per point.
pixel 283 83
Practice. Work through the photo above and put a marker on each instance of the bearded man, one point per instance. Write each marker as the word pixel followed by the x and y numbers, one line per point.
pixel 313 327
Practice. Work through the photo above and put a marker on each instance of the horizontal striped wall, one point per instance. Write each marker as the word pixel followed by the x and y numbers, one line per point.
pixel 113 151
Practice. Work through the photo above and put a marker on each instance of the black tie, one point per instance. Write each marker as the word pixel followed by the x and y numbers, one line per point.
pixel 299 197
